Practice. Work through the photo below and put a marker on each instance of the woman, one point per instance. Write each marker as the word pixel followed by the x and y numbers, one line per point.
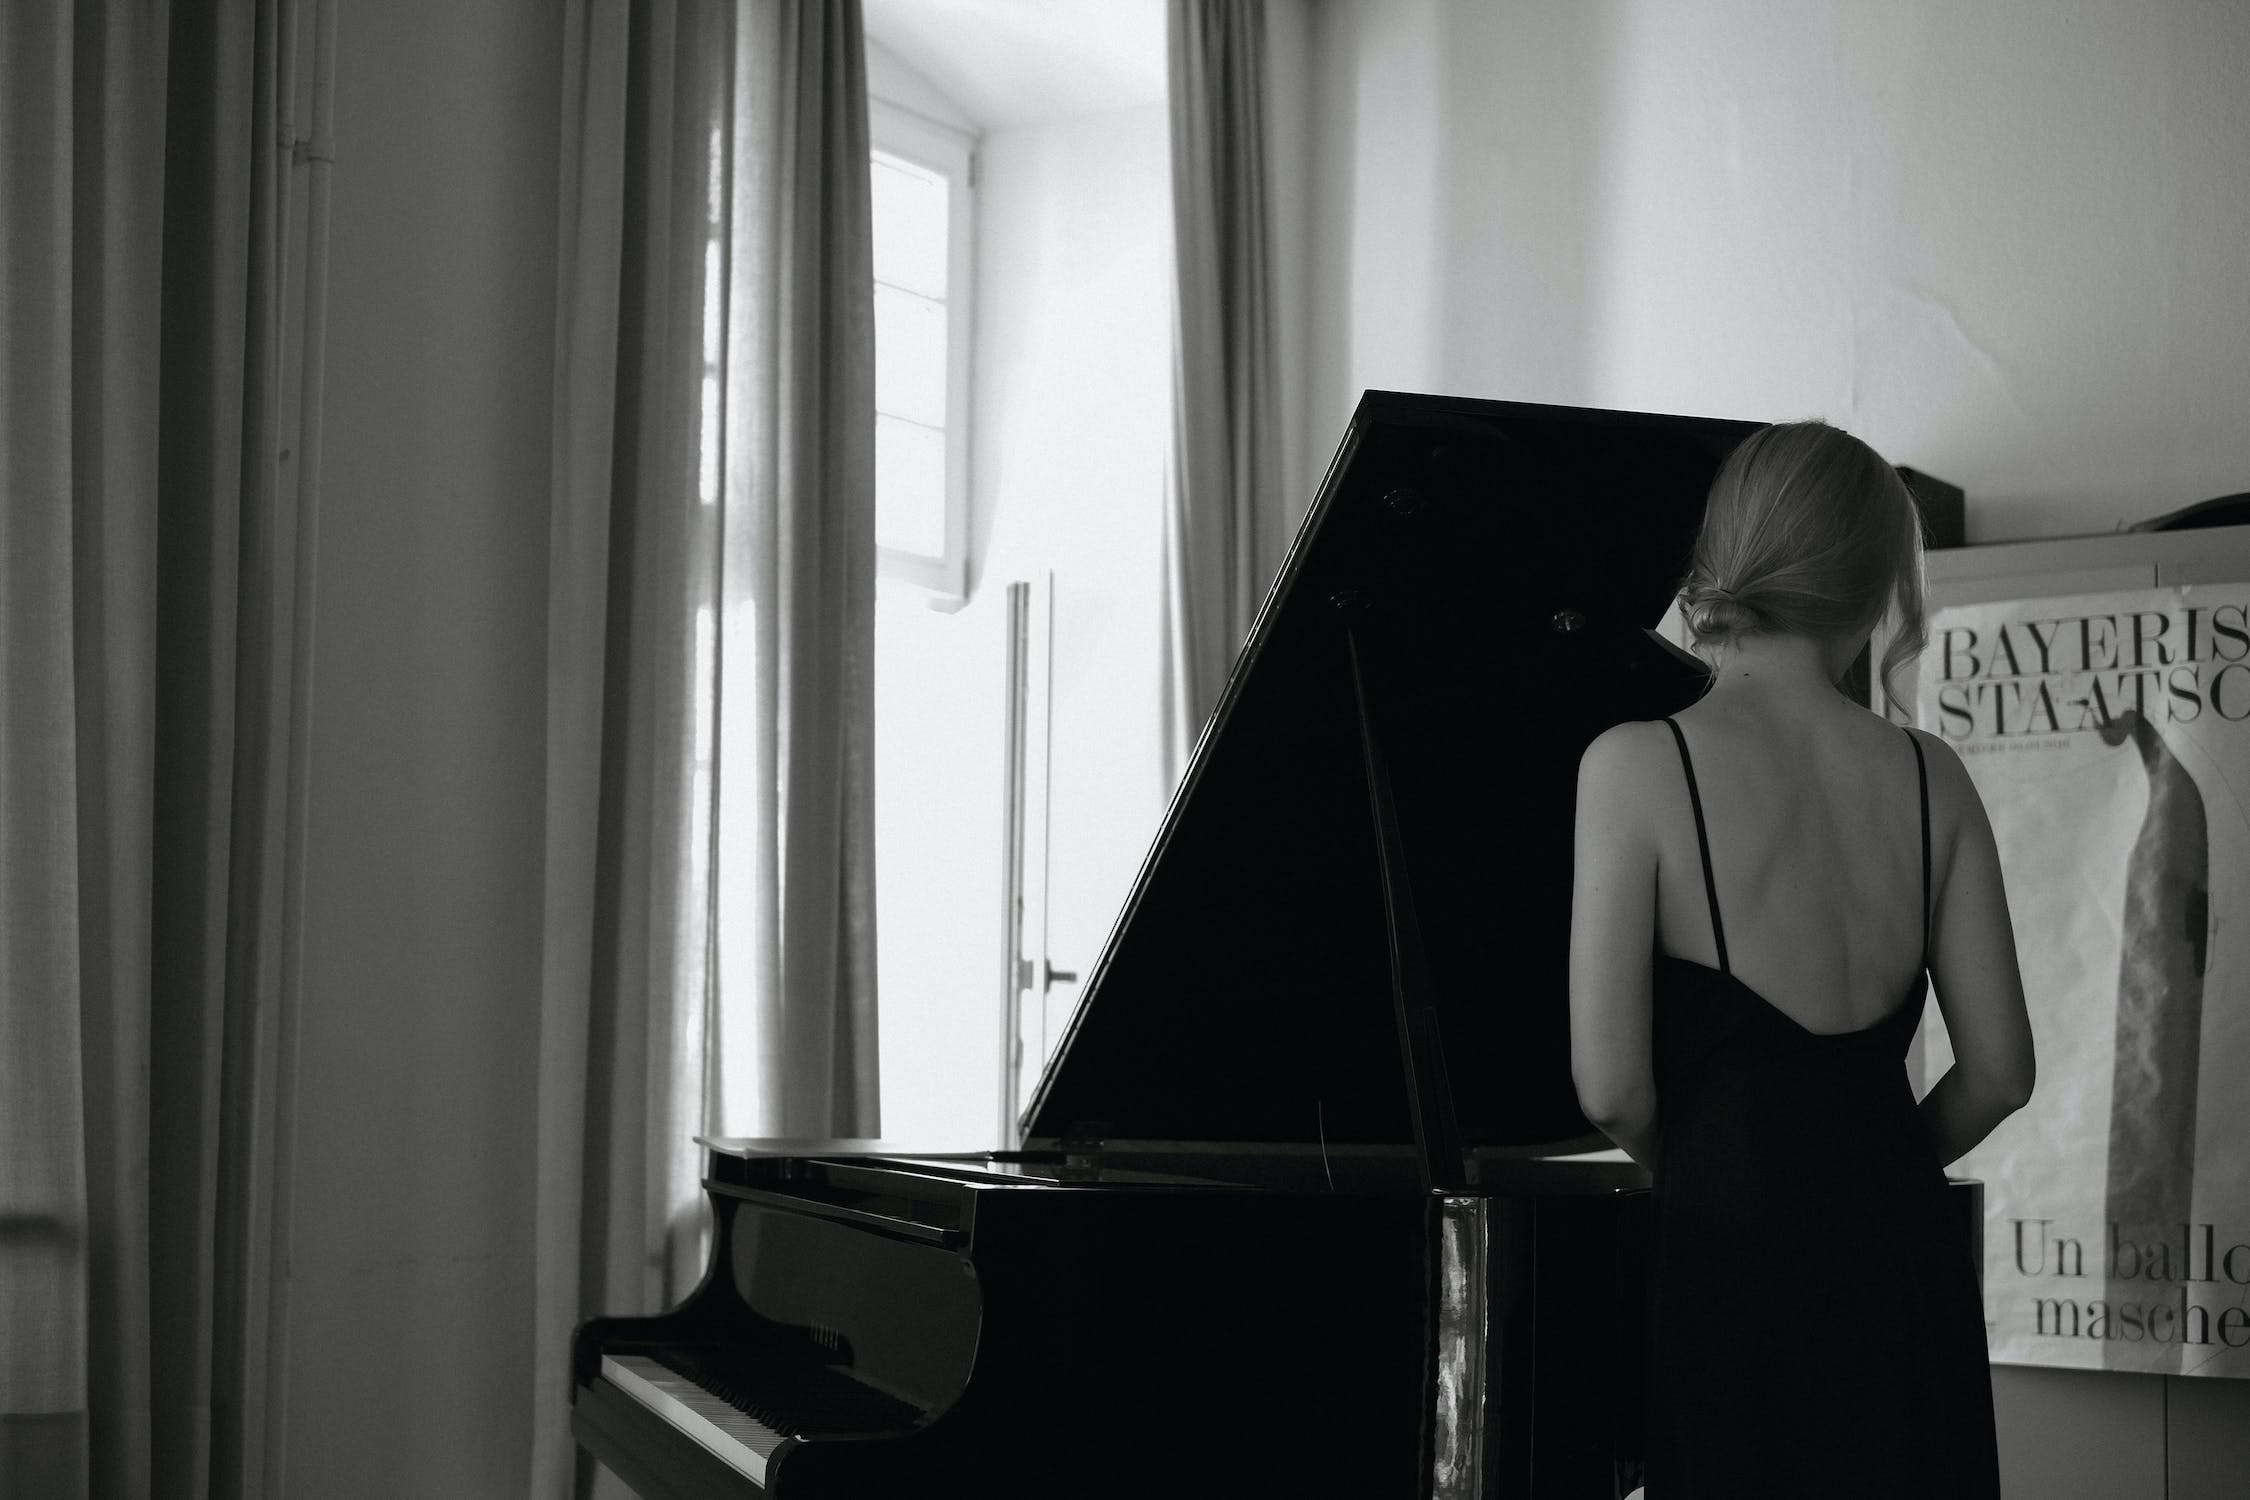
pixel 1765 886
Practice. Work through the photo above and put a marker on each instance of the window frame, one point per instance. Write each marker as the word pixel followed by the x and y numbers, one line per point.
pixel 950 152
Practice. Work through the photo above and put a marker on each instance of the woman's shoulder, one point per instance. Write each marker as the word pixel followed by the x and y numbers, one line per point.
pixel 1619 785
pixel 1941 759
pixel 1626 744
pixel 1935 750
pixel 1617 762
pixel 1953 795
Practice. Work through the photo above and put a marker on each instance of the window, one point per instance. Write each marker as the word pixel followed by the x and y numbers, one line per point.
pixel 920 178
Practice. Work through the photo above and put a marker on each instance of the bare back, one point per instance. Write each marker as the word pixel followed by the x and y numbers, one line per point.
pixel 1815 832
pixel 1813 811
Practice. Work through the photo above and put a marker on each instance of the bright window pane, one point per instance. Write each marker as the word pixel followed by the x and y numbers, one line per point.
pixel 909 223
pixel 909 486
pixel 909 356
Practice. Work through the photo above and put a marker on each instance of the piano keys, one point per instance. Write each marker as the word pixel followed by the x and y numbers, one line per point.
pixel 1305 1204
pixel 708 1408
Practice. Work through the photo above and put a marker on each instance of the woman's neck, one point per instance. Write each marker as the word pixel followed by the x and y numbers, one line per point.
pixel 1781 669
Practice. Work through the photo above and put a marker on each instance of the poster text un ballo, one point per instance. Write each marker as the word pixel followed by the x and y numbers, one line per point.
pixel 2109 736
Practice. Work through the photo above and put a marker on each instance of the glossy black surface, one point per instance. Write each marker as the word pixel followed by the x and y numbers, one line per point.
pixel 1085 1338
pixel 1504 564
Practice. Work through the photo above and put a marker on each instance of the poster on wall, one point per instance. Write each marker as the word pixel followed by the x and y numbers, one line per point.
pixel 2109 737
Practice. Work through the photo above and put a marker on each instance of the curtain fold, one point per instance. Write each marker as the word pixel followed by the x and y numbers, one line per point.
pixel 1224 514
pixel 798 692
pixel 632 576
pixel 708 960
pixel 148 650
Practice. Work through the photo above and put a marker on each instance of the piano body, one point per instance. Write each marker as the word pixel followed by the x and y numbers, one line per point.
pixel 1302 1207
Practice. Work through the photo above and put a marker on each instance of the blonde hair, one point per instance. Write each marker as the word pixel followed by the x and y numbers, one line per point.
pixel 1808 532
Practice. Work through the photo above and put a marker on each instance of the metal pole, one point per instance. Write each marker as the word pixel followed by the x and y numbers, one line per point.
pixel 1013 967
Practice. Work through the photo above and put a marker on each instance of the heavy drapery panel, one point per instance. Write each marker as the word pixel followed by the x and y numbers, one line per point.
pixel 709 951
pixel 150 659
pixel 797 721
pixel 625 997
pixel 1223 514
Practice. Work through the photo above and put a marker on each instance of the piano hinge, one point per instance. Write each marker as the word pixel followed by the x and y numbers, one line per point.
pixel 1082 1143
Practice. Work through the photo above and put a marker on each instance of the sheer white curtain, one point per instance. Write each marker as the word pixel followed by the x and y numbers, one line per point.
pixel 709 958
pixel 1225 514
pixel 153 533
pixel 796 877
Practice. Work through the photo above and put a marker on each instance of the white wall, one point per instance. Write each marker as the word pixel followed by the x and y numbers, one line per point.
pixel 1071 414
pixel 2002 241
pixel 894 80
pixel 409 1299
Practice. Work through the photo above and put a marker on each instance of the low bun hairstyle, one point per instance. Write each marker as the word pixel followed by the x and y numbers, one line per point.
pixel 1808 532
pixel 1717 613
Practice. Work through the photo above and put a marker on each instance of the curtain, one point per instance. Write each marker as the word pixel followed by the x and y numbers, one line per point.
pixel 151 642
pixel 709 952
pixel 1224 504
pixel 798 718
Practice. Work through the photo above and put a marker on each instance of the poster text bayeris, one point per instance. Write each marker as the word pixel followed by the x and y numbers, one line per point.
pixel 2070 674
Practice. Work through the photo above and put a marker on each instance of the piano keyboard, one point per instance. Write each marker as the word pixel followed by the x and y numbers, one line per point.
pixel 736 1438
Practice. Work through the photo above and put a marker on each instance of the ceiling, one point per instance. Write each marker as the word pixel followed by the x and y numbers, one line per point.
pixel 1023 62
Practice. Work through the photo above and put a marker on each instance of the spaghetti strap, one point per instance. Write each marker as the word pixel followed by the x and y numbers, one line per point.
pixel 1922 776
pixel 1703 847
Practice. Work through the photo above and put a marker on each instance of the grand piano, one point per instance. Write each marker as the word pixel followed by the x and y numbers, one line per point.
pixel 1306 1204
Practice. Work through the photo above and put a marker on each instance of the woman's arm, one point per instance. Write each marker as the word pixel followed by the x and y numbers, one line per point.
pixel 1612 935
pixel 1973 969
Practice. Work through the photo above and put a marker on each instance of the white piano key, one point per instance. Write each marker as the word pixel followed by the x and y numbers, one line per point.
pixel 739 1440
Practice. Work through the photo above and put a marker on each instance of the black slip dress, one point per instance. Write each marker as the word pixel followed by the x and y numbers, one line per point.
pixel 1815 1322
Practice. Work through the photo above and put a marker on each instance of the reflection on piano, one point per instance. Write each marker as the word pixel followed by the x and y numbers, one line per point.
pixel 1303 1206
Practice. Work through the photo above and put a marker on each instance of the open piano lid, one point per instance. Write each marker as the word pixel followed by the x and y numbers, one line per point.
pixel 1505 564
